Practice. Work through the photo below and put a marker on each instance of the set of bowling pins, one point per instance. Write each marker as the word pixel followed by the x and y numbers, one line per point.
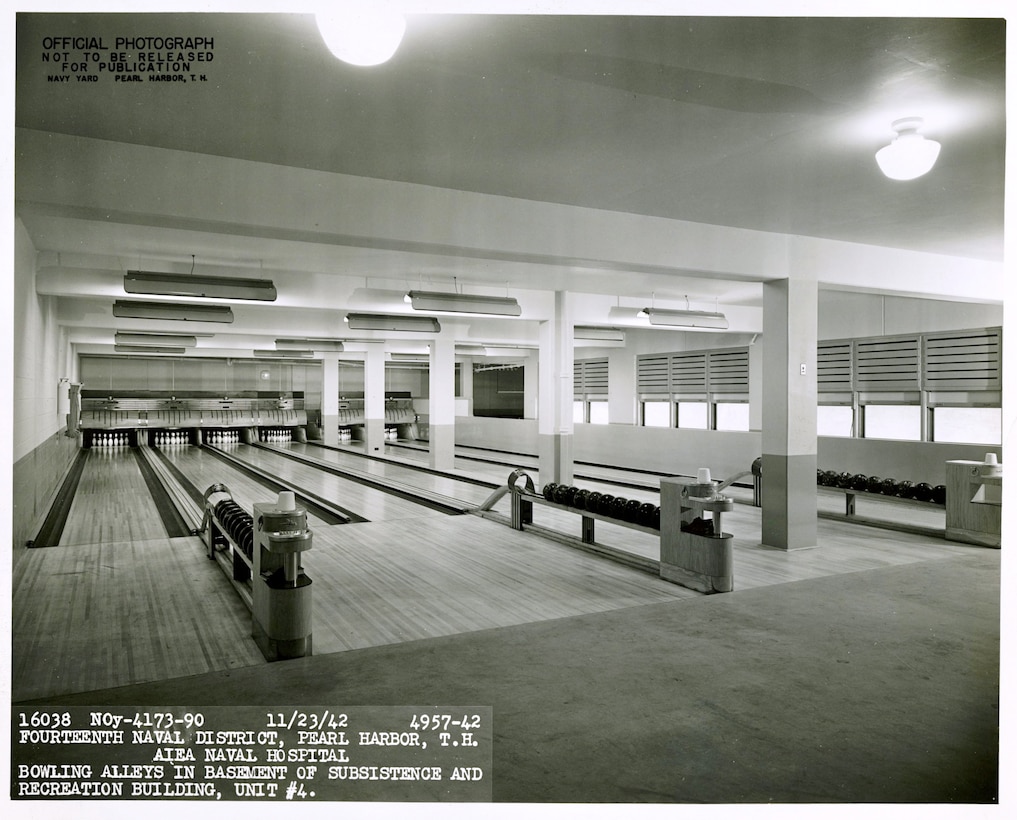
pixel 110 440
pixel 171 437
pixel 277 434
pixel 391 434
pixel 345 435
pixel 222 437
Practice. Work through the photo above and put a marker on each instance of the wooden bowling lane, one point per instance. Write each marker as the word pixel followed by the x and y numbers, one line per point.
pixel 203 470
pixel 468 492
pixel 373 504
pixel 112 501
pixel 494 466
pixel 93 616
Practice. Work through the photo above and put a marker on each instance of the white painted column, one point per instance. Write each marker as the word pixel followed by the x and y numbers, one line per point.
pixel 554 419
pixel 442 405
pixel 374 400
pixel 330 399
pixel 621 386
pixel 756 385
pixel 790 332
pixel 531 385
pixel 466 382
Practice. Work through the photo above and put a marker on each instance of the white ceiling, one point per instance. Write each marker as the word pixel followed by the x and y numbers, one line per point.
pixel 751 124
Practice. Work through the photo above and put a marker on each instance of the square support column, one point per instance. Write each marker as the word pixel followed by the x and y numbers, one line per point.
pixel 330 399
pixel 466 382
pixel 554 419
pixel 531 385
pixel 790 310
pixel 374 400
pixel 442 404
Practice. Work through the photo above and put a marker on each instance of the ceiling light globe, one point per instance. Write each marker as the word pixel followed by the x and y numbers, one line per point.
pixel 910 155
pixel 362 34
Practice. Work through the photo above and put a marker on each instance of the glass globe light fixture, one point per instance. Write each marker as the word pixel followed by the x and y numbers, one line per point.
pixel 910 155
pixel 361 33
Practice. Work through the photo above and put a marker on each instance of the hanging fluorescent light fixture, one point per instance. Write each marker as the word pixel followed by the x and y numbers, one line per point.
pixel 910 155
pixel 598 334
pixel 213 287
pixel 325 345
pixel 361 33
pixel 284 354
pixel 172 311
pixel 685 318
pixel 463 303
pixel 154 339
pixel 392 321
pixel 148 349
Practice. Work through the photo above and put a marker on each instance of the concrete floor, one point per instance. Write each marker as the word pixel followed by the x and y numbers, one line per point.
pixel 880 686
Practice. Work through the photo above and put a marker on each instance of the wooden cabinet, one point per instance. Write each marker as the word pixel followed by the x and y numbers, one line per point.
pixel 974 502
pixel 694 550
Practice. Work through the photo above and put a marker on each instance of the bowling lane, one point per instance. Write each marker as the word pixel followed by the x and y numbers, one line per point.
pixel 447 485
pixel 398 458
pixel 203 469
pixel 495 466
pixel 372 504
pixel 112 502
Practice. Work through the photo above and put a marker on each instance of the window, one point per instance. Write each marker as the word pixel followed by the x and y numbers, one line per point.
pixel 694 415
pixel 834 421
pixel 579 412
pixel 656 414
pixel 968 425
pixel 598 412
pixel 894 421
pixel 732 416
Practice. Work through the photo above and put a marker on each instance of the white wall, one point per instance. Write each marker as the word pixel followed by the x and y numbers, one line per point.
pixel 845 315
pixel 40 350
pixel 42 356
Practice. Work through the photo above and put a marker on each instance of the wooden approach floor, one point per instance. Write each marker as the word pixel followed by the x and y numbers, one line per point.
pixel 94 616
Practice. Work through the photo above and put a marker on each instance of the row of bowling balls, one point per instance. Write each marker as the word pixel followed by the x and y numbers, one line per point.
pixel 238 523
pixel 624 509
pixel 883 486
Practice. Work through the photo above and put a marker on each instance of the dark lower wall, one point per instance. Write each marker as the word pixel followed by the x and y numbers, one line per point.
pixel 37 477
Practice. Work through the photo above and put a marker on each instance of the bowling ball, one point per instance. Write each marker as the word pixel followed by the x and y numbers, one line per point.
pixel 604 506
pixel 874 484
pixel 859 481
pixel 844 481
pixel 631 512
pixel 889 486
pixel 593 502
pixel 757 466
pixel 939 494
pixel 831 478
pixel 646 514
pixel 923 492
pixel 561 493
pixel 548 491
pixel 580 499
pixel 655 522
pixel 618 507
pixel 905 489
pixel 820 475
pixel 570 495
